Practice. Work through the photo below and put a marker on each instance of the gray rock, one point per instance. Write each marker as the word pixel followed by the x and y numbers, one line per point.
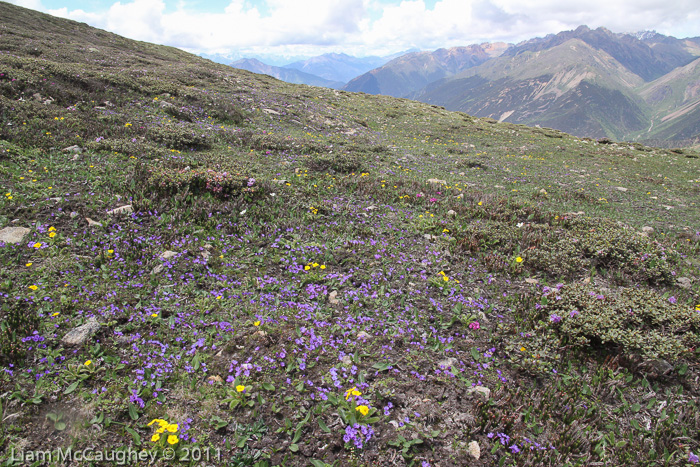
pixel 481 390
pixel 621 188
pixel 271 112
pixel 13 234
pixel 647 229
pixel 685 282
pixel 363 335
pixel 126 209
pixel 451 213
pixel 74 149
pixel 81 334
pixel 280 182
pixel 447 363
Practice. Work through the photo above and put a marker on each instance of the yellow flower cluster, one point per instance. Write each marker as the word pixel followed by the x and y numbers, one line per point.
pixel 352 392
pixel 164 426
pixel 52 232
pixel 314 265
pixel 8 195
pixel 363 409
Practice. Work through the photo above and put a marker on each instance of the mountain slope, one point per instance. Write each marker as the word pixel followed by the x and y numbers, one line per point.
pixel 337 67
pixel 675 102
pixel 570 86
pixel 285 74
pixel 411 72
pixel 585 82
pixel 197 260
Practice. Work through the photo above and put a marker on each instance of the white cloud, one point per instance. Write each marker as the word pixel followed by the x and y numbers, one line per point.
pixel 317 26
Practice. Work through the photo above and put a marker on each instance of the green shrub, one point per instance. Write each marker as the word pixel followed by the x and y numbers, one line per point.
pixel 632 322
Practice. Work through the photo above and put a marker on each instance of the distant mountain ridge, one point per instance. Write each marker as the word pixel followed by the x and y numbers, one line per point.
pixel 411 72
pixel 289 75
pixel 585 82
pixel 338 67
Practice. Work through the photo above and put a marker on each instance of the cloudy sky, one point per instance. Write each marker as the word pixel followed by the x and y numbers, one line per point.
pixel 363 27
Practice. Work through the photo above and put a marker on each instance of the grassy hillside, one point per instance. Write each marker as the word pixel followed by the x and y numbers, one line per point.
pixel 302 276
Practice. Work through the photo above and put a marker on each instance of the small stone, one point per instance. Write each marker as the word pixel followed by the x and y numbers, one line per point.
pixel 215 379
pixel 621 188
pixel 74 149
pixel 93 223
pixel 280 182
pixel 685 282
pixel 81 334
pixel 451 213
pixel 167 254
pixel 436 181
pixel 363 335
pixel 481 390
pixel 474 450
pixel 271 112
pixel 460 196
pixel 447 363
pixel 427 236
pixel 647 229
pixel 332 298
pixel 543 191
pixel 661 366
pixel 126 209
pixel 347 360
pixel 13 234
pixel 530 280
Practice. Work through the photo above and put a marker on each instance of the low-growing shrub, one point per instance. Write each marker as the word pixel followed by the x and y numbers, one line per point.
pixel 631 322
pixel 168 181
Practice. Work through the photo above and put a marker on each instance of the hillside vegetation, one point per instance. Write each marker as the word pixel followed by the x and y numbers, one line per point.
pixel 211 261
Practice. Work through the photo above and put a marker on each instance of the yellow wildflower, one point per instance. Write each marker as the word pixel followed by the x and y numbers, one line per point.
pixel 518 259
pixel 37 245
pixel 52 234
pixel 155 438
pixel 257 323
pixel 172 439
pixel 88 362
pixel 240 388
pixel 52 229
pixel 363 409
pixel 352 392
pixel 33 287
pixel 172 428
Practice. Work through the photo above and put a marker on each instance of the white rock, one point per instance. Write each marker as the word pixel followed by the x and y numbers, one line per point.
pixel 168 254
pixel 347 360
pixel 621 188
pixel 451 213
pixel 437 181
pixel 126 209
pixel 271 112
pixel 647 229
pixel 332 298
pixel 481 390
pixel 363 335
pixel 474 450
pixel 447 363
pixel 13 234
pixel 75 149
pixel 92 223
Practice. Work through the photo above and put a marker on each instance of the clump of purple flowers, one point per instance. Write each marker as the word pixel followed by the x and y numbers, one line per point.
pixel 358 434
pixel 554 318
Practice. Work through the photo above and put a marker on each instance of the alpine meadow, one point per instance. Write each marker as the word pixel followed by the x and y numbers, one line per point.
pixel 204 266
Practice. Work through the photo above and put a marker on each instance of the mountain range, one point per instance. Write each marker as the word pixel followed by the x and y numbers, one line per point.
pixel 588 82
pixel 290 75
